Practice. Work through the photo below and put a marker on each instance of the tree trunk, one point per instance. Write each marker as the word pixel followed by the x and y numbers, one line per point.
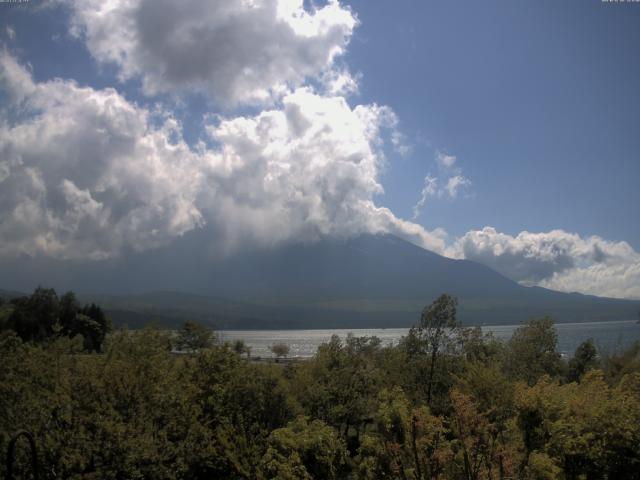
pixel 434 354
pixel 415 448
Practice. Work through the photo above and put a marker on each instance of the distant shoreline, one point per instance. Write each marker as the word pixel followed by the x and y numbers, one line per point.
pixel 500 325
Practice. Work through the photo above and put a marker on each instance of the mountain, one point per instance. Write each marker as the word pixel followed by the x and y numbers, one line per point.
pixel 368 281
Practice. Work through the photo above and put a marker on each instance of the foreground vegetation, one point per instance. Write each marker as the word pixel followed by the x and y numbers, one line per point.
pixel 446 403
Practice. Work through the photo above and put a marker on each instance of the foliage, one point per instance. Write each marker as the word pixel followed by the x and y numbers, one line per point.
pixel 340 384
pixel 240 347
pixel 194 336
pixel 357 410
pixel 531 352
pixel 43 315
pixel 304 450
pixel 618 364
pixel 33 318
pixel 406 443
pixel 585 358
pixel 433 338
pixel 588 429
pixel 280 349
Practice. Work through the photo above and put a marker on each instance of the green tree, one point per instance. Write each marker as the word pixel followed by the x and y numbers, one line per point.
pixel 476 346
pixel 43 315
pixel 585 358
pixel 479 447
pixel 541 467
pixel 531 352
pixel 588 429
pixel 240 347
pixel 279 350
pixel 618 364
pixel 386 451
pixel 194 336
pixel 339 387
pixel 241 404
pixel 91 331
pixel 33 318
pixel 88 321
pixel 405 442
pixel 434 334
pixel 304 450
pixel 69 308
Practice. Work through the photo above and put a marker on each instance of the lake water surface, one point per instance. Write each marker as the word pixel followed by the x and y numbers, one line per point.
pixel 608 336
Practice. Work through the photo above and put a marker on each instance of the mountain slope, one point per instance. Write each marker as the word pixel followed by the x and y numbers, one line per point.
pixel 371 280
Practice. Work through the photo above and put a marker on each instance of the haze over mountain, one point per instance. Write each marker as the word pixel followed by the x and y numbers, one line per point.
pixel 370 280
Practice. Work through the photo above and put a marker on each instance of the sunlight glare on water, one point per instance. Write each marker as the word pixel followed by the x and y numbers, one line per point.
pixel 608 337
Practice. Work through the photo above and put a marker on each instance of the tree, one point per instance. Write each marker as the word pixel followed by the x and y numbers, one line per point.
pixel 405 443
pixel 194 336
pixel 437 325
pixel 476 346
pixel 584 358
pixel 96 335
pixel 304 450
pixel 617 364
pixel 279 349
pixel 475 437
pixel 387 451
pixel 91 331
pixel 88 321
pixel 69 308
pixel 531 352
pixel 34 317
pixel 588 429
pixel 240 348
pixel 43 316
pixel 339 386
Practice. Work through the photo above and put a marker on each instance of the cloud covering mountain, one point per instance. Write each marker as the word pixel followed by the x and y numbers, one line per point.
pixel 286 156
pixel 88 173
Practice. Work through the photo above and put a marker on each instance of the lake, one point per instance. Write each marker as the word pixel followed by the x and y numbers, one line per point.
pixel 608 336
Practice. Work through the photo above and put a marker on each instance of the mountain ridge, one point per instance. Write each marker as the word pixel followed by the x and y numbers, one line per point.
pixel 366 281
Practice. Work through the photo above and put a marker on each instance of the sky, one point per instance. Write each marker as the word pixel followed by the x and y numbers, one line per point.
pixel 502 132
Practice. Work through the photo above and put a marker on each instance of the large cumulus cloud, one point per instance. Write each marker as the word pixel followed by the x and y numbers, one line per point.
pixel 86 174
pixel 83 173
pixel 556 259
pixel 240 51
pixel 307 169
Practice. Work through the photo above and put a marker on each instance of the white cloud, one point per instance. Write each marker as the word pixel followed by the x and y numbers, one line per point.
pixel 10 32
pixel 86 174
pixel 445 160
pixel 340 82
pixel 619 280
pixel 309 169
pixel 430 189
pixel 15 79
pixel 447 183
pixel 400 143
pixel 241 51
pixel 556 259
pixel 456 183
